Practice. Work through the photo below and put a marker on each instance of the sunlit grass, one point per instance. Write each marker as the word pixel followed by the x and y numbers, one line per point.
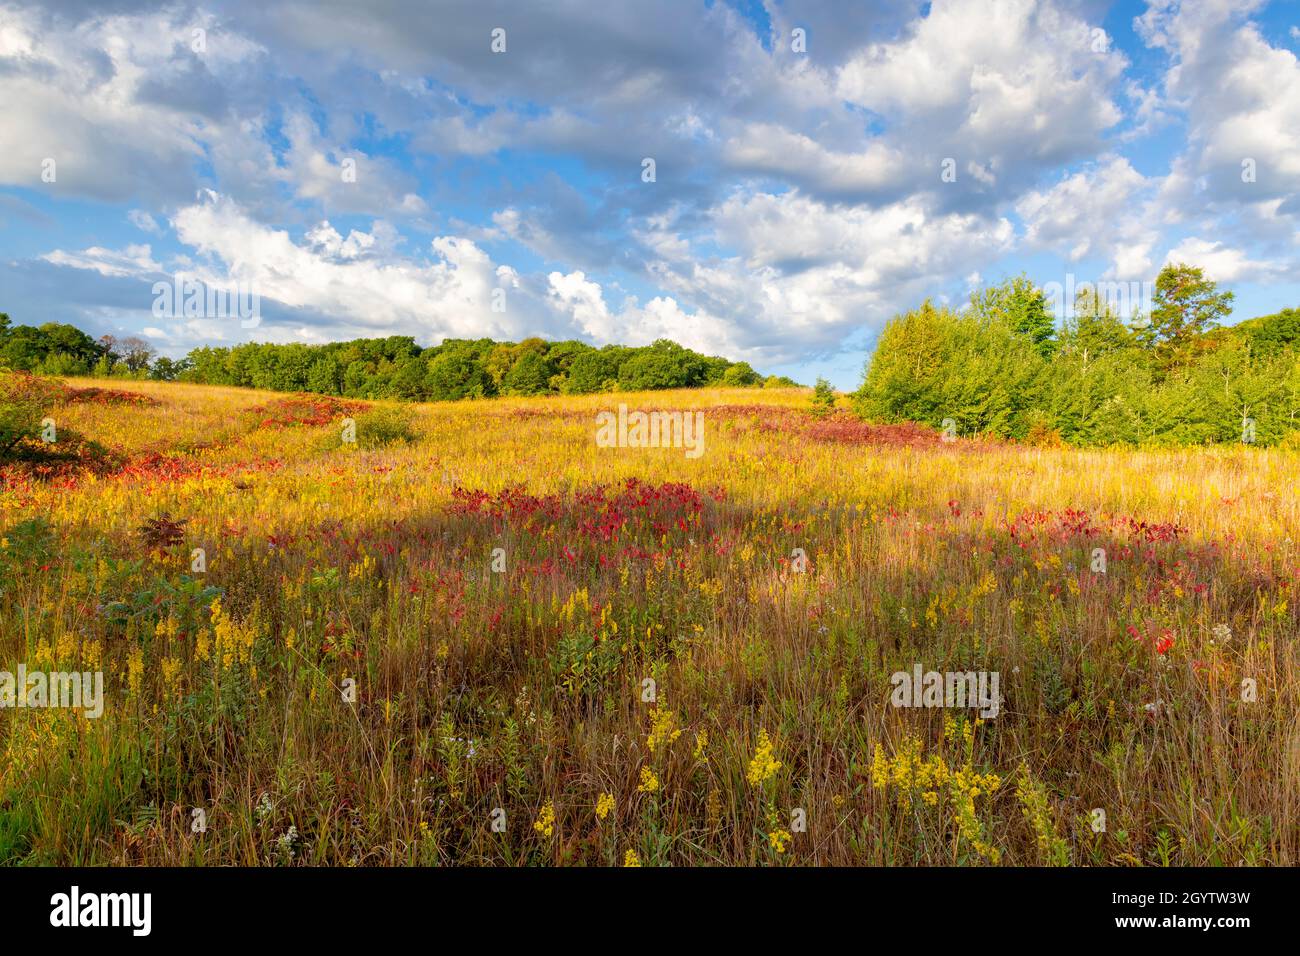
pixel 484 696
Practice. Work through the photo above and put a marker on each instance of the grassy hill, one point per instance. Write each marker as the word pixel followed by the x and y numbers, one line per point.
pixel 636 655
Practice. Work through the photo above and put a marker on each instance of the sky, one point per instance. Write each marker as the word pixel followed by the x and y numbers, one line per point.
pixel 769 181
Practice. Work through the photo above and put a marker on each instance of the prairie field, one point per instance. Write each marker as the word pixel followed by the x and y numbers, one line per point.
pixel 473 636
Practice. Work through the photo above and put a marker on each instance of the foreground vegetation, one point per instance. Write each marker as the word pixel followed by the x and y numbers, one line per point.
pixel 648 671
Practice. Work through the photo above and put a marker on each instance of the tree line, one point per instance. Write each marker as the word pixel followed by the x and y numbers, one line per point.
pixel 386 368
pixel 1176 375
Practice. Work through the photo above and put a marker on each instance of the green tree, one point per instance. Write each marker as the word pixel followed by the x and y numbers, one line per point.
pixel 904 373
pixel 23 402
pixel 530 375
pixel 1272 334
pixel 591 370
pixel 358 379
pixel 323 376
pixel 740 375
pixel 1186 305
pixel 932 365
pixel 165 369
pixel 1023 307
pixel 823 398
pixel 407 379
pixel 456 373
pixel 1094 329
pixel 665 364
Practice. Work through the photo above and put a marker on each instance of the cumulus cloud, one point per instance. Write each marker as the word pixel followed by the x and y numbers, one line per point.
pixel 1013 87
pixel 1223 263
pixel 1102 210
pixel 807 272
pixel 362 285
pixel 1241 97
pixel 327 276
pixel 344 180
pixel 92 99
pixel 875 169
pixel 662 317
pixel 376 171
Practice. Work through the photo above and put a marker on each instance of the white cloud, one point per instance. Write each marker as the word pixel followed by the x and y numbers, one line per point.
pixel 361 285
pixel 1220 262
pixel 93 99
pixel 142 221
pixel 1011 84
pixel 332 277
pixel 1102 211
pixel 807 273
pixel 1241 97
pixel 768 148
pixel 133 261
pixel 344 180
pixel 661 317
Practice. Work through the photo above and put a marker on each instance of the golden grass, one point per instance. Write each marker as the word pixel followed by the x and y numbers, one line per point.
pixel 484 696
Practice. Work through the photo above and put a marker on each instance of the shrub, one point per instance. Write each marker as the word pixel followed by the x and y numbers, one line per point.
pixel 823 398
pixel 24 400
pixel 386 425
pixel 740 375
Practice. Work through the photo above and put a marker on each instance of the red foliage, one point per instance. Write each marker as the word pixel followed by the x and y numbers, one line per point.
pixel 598 513
pixel 22 478
pixel 1161 639
pixel 1069 523
pixel 155 468
pixel 311 410
pixel 840 428
pixel 596 524
pixel 105 396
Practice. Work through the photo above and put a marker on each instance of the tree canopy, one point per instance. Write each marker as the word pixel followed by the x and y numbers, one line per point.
pixel 1003 367
pixel 394 367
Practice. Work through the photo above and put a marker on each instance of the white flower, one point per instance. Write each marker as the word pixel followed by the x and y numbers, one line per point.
pixel 288 839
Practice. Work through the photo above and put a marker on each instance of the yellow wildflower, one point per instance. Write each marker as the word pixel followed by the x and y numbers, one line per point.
pixel 135 669
pixel 649 782
pixel 763 766
pixel 777 839
pixel 701 741
pixel 663 729
pixel 545 822
pixel 604 804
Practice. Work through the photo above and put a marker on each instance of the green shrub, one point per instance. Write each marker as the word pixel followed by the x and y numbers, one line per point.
pixel 385 425
pixel 823 398
pixel 24 402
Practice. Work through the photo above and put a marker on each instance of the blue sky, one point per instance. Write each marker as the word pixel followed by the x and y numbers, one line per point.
pixel 798 199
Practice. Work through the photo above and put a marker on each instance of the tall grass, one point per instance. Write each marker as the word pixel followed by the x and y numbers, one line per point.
pixel 350 682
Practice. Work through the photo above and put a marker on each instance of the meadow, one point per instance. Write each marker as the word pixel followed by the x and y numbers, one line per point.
pixel 474 637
